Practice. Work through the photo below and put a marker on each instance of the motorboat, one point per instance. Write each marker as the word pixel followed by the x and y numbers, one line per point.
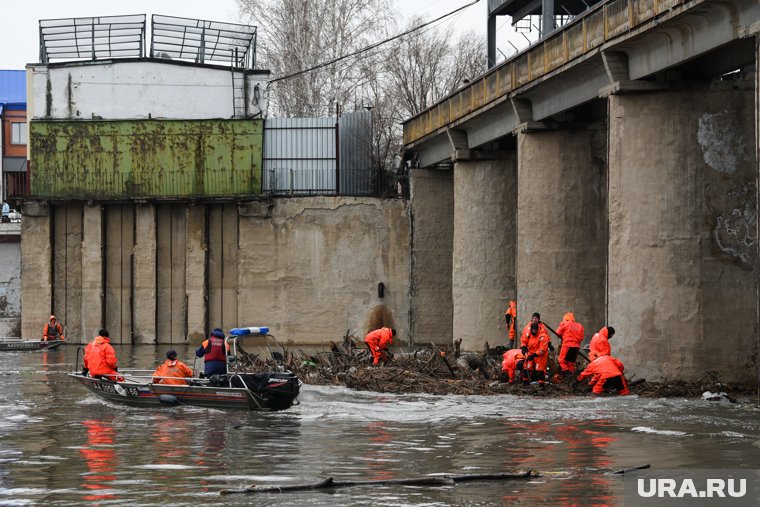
pixel 19 344
pixel 267 391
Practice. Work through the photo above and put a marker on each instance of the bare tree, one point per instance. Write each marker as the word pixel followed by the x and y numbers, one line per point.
pixel 297 35
pixel 428 65
pixel 395 81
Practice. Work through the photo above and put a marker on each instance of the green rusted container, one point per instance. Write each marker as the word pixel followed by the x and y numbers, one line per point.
pixel 145 158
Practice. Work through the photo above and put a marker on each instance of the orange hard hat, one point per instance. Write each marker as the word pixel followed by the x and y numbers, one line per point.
pixel 512 302
pixel 569 317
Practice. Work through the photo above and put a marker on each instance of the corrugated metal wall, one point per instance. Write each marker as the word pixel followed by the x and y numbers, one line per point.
pixel 355 162
pixel 149 158
pixel 300 155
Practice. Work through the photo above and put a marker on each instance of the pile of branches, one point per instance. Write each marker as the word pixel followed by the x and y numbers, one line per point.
pixel 434 369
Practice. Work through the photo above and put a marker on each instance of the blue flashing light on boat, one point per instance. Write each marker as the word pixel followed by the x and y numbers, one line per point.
pixel 239 331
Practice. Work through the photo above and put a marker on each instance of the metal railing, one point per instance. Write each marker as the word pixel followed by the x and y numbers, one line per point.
pixel 597 26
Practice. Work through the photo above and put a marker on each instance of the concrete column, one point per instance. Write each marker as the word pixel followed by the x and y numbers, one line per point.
pixel 223 266
pixel 432 200
pixel 119 246
pixel 562 225
pixel 92 272
pixel 483 249
pixel 683 232
pixel 195 274
pixel 171 252
pixel 36 266
pixel 67 266
pixel 145 274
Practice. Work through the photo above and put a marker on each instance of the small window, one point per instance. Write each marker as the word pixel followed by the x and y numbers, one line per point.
pixel 18 133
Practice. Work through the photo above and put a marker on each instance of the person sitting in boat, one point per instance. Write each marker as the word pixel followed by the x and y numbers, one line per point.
pixel 214 352
pixel 100 358
pixel 173 371
pixel 53 330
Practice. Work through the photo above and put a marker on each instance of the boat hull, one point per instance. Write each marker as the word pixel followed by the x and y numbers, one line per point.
pixel 163 395
pixel 29 345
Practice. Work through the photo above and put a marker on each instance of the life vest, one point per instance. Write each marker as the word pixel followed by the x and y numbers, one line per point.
pixel 53 332
pixel 215 349
pixel 172 369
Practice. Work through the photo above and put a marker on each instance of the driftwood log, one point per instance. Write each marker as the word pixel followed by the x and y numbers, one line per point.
pixel 330 483
pixel 626 470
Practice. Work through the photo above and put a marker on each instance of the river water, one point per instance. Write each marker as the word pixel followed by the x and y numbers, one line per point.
pixel 62 445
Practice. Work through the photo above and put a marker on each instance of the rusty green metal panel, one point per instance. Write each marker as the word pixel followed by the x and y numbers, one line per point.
pixel 146 158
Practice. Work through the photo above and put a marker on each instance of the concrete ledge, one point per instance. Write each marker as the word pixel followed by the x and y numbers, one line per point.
pixel 11 229
pixel 622 87
pixel 36 209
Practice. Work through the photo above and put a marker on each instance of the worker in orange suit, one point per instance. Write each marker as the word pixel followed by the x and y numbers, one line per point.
pixel 512 360
pixel 172 372
pixel 510 315
pixel 538 353
pixel 100 358
pixel 52 330
pixel 571 334
pixel 525 335
pixel 606 374
pixel 600 343
pixel 378 341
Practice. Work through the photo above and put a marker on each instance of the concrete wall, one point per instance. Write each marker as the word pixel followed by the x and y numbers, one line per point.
pixel 137 90
pixel 483 277
pixel 432 202
pixel 311 270
pixel 562 225
pixel 307 268
pixel 683 232
pixel 10 282
pixel 36 270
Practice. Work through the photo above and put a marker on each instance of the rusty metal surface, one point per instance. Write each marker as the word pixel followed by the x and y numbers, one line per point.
pixel 600 24
pixel 148 158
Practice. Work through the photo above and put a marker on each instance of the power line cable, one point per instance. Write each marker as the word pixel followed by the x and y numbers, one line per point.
pixel 372 46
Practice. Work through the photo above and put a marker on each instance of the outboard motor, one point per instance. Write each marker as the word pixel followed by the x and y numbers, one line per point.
pixel 279 389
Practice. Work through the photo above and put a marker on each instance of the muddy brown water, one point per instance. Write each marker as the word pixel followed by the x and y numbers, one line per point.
pixel 62 445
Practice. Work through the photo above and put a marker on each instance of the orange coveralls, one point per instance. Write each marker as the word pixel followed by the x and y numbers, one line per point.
pixel 571 333
pixel 100 358
pixel 171 368
pixel 602 370
pixel 510 315
pixel 538 344
pixel 378 341
pixel 600 344
pixel 509 362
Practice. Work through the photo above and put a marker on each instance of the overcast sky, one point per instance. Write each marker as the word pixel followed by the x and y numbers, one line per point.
pixel 19 37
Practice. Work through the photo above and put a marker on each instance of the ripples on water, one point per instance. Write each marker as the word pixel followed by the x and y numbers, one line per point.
pixel 62 445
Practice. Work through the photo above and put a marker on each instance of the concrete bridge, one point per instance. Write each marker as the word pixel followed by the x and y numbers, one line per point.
pixel 610 170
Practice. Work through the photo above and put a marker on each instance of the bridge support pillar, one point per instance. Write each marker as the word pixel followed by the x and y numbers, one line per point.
pixel 683 238
pixel 432 202
pixel 561 227
pixel 483 256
